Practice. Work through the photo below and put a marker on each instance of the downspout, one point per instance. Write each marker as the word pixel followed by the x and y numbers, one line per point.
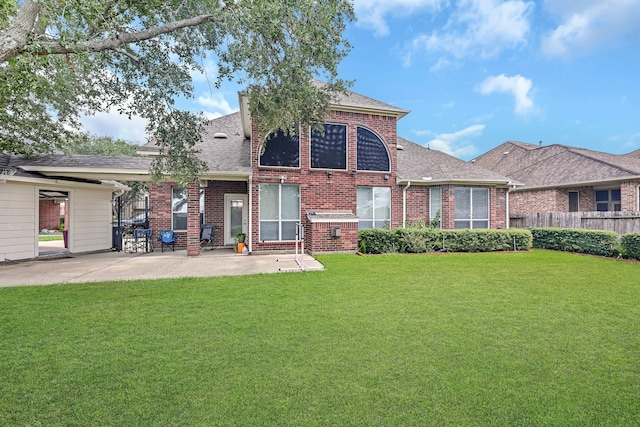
pixel 404 205
pixel 250 233
pixel 507 219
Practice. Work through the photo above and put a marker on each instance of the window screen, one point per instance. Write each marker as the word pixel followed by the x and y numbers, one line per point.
pixel 329 149
pixel 281 150
pixel 372 153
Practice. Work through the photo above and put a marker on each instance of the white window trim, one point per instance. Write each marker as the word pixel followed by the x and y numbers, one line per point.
pixel 373 209
pixel 279 220
pixel 471 218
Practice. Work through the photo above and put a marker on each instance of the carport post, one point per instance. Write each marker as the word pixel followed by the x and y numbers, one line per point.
pixel 193 219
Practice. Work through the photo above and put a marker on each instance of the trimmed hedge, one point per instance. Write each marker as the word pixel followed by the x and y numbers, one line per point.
pixel 630 245
pixel 420 240
pixel 592 242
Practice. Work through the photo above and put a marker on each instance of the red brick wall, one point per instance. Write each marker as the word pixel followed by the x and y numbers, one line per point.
pixel 550 200
pixel 330 189
pixel 160 208
pixel 49 215
pixel 318 237
pixel 629 196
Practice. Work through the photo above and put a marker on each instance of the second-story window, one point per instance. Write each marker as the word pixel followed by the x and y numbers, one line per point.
pixel 372 153
pixel 329 148
pixel 281 149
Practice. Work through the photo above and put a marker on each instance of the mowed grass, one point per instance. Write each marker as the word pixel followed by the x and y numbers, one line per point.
pixel 536 338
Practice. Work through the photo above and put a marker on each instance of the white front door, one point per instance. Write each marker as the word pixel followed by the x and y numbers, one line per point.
pixel 235 216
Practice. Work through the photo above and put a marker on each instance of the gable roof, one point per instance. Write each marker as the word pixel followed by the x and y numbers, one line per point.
pixel 558 165
pixel 223 148
pixel 420 165
pixel 348 101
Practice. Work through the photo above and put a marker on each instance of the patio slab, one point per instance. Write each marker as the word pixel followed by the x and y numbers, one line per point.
pixel 118 266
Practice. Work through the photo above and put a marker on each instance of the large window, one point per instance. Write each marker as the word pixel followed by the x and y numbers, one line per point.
pixel 472 207
pixel 372 153
pixel 374 207
pixel 179 198
pixel 608 200
pixel 279 211
pixel 281 149
pixel 329 148
pixel 435 205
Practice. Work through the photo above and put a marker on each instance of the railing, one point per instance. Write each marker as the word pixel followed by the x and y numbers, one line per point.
pixel 620 222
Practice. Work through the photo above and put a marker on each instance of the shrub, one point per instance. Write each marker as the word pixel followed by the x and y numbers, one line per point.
pixel 420 240
pixel 593 242
pixel 377 241
pixel 630 245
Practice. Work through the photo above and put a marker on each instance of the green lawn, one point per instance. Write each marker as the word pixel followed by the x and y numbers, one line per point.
pixel 533 339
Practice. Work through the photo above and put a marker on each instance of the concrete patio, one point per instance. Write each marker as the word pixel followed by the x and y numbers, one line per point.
pixel 56 267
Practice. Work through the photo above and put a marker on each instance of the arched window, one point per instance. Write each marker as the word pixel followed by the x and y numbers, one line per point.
pixel 281 150
pixel 372 152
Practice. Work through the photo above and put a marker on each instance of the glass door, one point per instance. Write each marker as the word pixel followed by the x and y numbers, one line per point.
pixel 235 216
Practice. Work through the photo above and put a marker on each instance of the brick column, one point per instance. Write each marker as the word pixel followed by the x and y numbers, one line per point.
pixel 629 195
pixel 193 219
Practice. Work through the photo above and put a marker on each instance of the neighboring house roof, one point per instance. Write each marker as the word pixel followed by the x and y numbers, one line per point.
pixel 558 165
pixel 420 165
pixel 635 154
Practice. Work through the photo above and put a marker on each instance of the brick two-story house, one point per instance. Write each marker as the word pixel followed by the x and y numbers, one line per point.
pixel 355 174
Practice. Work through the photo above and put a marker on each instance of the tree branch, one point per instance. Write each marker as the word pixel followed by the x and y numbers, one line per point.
pixel 116 41
pixel 15 37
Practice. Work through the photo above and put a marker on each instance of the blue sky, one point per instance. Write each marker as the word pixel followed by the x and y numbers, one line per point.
pixel 477 73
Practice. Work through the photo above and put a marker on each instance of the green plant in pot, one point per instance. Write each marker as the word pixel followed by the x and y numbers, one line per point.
pixel 239 238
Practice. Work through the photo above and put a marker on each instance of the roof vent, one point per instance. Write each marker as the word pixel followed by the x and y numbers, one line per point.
pixel 220 135
pixel 399 147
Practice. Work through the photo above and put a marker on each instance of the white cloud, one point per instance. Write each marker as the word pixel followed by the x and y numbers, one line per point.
pixel 517 86
pixel 482 28
pixel 116 125
pixel 210 73
pixel 372 13
pixel 457 143
pixel 215 105
pixel 587 25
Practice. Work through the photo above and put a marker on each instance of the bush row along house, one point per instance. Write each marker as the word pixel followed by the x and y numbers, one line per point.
pixel 560 178
pixel 355 174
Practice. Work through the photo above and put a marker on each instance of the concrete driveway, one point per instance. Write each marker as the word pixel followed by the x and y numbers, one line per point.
pixel 118 266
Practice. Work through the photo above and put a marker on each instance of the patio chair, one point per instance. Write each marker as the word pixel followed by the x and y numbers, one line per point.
pixel 206 235
pixel 167 239
pixel 142 240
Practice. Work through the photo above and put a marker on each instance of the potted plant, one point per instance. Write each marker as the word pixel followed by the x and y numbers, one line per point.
pixel 239 242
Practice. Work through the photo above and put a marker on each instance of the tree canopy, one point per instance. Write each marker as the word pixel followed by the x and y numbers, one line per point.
pixel 63 58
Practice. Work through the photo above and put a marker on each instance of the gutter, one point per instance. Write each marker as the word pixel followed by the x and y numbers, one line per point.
pixel 430 181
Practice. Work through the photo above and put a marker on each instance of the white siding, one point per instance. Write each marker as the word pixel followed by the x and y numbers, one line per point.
pixel 90 220
pixel 18 222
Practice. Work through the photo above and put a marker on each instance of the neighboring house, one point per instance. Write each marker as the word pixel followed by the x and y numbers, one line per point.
pixel 559 178
pixel 355 174
pixel 32 191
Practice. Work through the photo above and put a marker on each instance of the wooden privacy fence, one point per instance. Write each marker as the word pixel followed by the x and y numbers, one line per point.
pixel 620 222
